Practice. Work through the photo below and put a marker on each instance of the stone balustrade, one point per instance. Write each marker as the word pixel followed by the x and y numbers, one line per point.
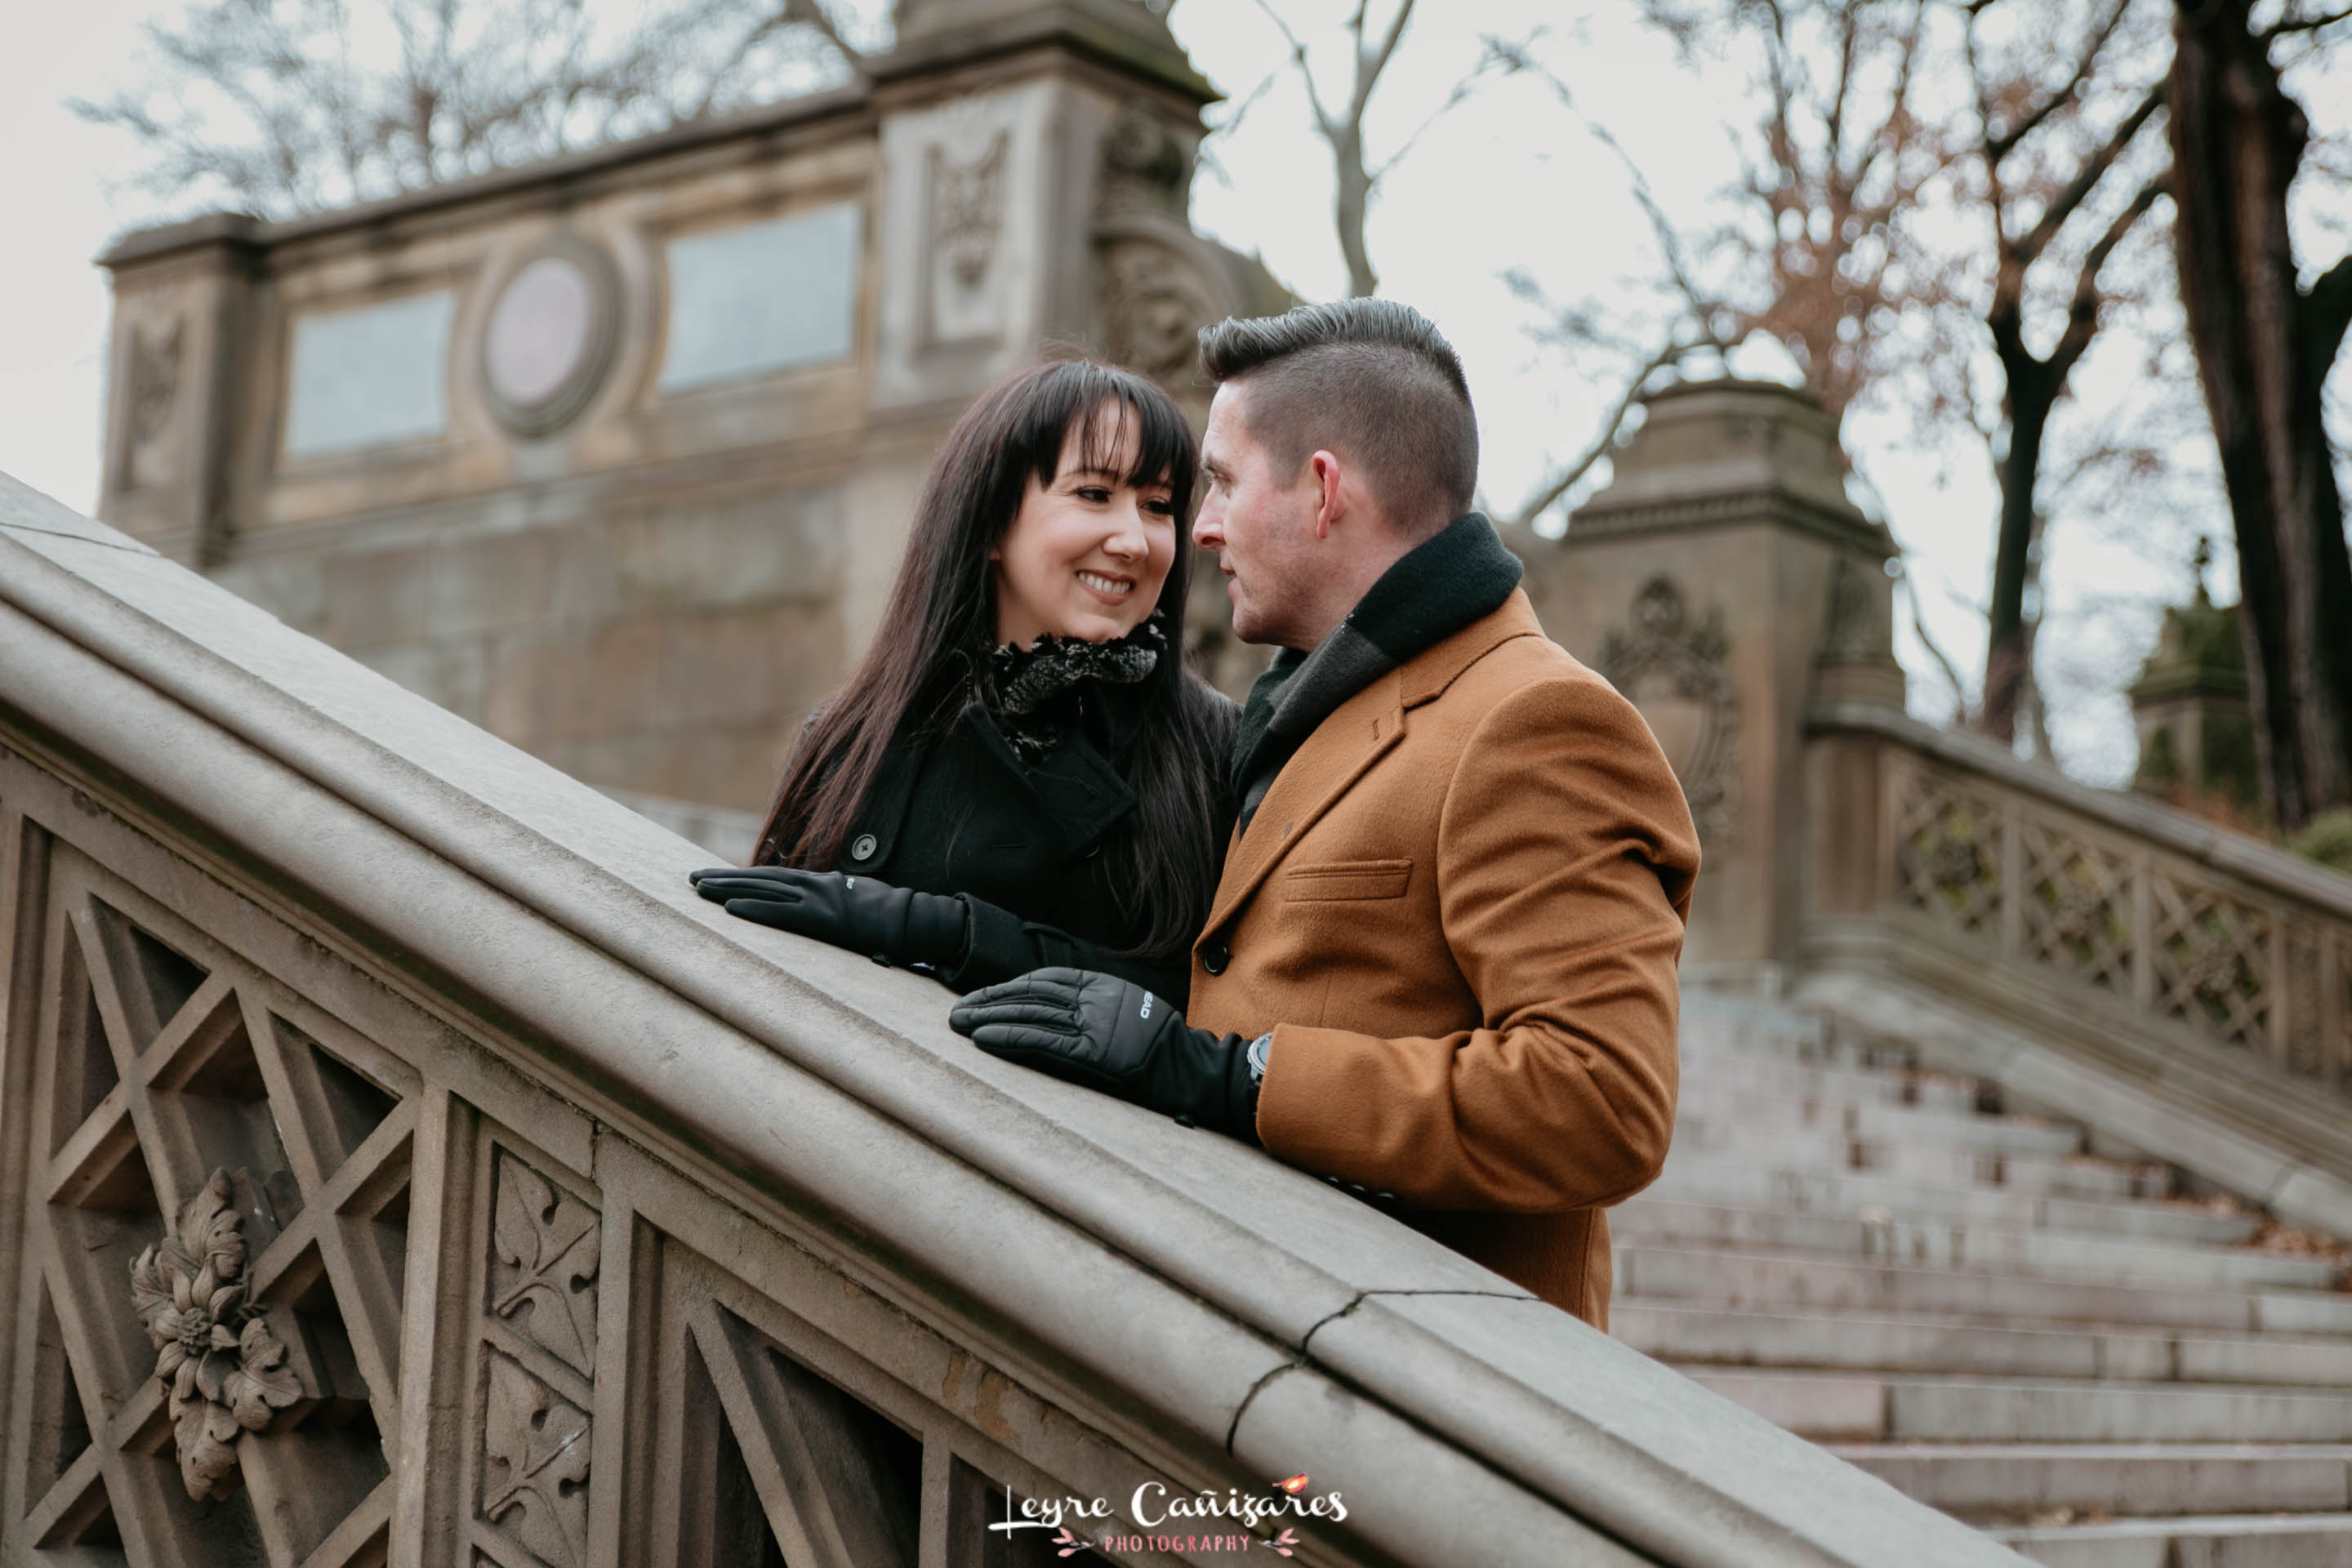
pixel 399 1164
pixel 2196 963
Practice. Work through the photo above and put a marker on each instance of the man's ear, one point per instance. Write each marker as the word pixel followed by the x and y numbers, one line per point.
pixel 1330 506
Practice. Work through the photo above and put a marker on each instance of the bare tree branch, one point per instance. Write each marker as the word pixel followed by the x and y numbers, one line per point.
pixel 1299 55
pixel 2083 315
pixel 1507 58
pixel 271 105
pixel 2292 24
pixel 1944 662
pixel 1999 147
pixel 1565 478
pixel 2095 168
pixel 2327 312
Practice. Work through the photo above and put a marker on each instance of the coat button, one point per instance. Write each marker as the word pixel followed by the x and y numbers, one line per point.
pixel 1215 956
pixel 863 849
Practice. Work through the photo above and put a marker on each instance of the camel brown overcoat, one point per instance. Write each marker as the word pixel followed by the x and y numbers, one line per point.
pixel 1459 909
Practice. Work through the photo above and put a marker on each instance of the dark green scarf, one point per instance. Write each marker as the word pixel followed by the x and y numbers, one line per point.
pixel 1457 575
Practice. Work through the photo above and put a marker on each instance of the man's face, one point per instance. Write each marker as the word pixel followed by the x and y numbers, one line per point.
pixel 1261 523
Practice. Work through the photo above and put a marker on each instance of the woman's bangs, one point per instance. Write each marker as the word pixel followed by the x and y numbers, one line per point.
pixel 1165 453
pixel 1109 405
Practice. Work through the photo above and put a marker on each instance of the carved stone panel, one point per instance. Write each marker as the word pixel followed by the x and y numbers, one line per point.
pixel 965 226
pixel 155 356
pixel 964 255
pixel 544 1250
pixel 1154 301
pixel 535 1445
pixel 1144 167
pixel 1678 674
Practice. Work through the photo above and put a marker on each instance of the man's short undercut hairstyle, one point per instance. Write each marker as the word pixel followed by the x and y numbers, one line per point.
pixel 1371 380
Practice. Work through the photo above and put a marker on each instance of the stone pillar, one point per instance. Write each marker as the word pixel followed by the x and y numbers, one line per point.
pixel 1006 125
pixel 1726 584
pixel 2189 706
pixel 1037 160
pixel 177 365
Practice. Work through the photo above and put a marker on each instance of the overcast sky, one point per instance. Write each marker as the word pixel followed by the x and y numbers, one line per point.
pixel 1508 180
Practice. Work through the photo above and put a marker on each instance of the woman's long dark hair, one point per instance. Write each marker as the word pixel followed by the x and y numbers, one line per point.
pixel 941 616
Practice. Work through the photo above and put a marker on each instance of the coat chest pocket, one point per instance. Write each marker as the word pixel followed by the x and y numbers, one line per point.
pixel 1335 879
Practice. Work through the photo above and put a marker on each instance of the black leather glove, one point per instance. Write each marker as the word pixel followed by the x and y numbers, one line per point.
pixel 1112 1034
pixel 890 925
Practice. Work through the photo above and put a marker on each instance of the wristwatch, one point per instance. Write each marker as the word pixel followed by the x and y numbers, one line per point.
pixel 1259 1050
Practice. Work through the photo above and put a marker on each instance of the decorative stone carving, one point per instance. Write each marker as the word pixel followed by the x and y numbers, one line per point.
pixel 1853 631
pixel 151 375
pixel 548 337
pixel 1679 675
pixel 1143 164
pixel 2209 966
pixel 545 1246
pixel 154 380
pixel 1953 861
pixel 226 1370
pixel 535 1449
pixel 967 211
pixel 1154 302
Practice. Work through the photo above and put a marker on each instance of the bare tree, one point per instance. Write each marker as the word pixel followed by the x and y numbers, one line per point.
pixel 290 106
pixel 2064 174
pixel 1815 254
pixel 2265 345
pixel 1340 121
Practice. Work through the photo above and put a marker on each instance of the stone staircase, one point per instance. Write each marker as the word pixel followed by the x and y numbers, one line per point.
pixel 1978 1309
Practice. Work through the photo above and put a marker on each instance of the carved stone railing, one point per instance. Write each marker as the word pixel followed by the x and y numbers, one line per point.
pixel 398 1165
pixel 2190 956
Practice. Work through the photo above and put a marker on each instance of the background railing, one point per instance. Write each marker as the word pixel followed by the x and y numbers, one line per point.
pixel 2208 959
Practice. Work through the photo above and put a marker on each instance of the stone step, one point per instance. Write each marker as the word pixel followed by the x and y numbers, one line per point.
pixel 1810 1041
pixel 1944 1244
pixel 1757 1278
pixel 1687 1332
pixel 1857 1407
pixel 1728 1136
pixel 1733 1070
pixel 1694 1178
pixel 2273 1541
pixel 1839 1116
pixel 2015 1482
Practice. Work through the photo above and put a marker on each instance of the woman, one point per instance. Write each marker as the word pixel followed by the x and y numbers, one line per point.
pixel 1021 772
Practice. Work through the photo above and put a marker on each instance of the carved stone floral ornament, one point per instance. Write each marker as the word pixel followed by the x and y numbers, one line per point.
pixel 214 1348
pixel 1679 675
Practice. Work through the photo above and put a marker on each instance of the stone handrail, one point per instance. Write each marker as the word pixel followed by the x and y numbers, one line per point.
pixel 397 1156
pixel 2185 952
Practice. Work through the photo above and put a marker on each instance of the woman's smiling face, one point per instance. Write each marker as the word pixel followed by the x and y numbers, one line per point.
pixel 1085 555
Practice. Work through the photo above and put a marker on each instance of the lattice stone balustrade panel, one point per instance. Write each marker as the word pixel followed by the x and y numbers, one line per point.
pixel 397 1302
pixel 1948 852
pixel 2148 929
pixel 2076 905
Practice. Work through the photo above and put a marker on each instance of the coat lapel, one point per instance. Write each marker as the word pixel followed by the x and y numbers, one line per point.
pixel 1343 747
pixel 1357 734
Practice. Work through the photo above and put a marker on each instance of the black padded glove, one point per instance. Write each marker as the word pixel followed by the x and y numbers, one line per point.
pixel 1112 1034
pixel 890 925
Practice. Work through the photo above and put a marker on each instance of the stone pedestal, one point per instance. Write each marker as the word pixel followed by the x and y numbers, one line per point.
pixel 1725 583
pixel 2189 706
pixel 175 368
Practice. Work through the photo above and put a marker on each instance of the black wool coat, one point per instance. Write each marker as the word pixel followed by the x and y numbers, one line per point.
pixel 958 813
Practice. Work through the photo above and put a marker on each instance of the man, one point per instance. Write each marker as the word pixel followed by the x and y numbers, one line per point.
pixel 1440 963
